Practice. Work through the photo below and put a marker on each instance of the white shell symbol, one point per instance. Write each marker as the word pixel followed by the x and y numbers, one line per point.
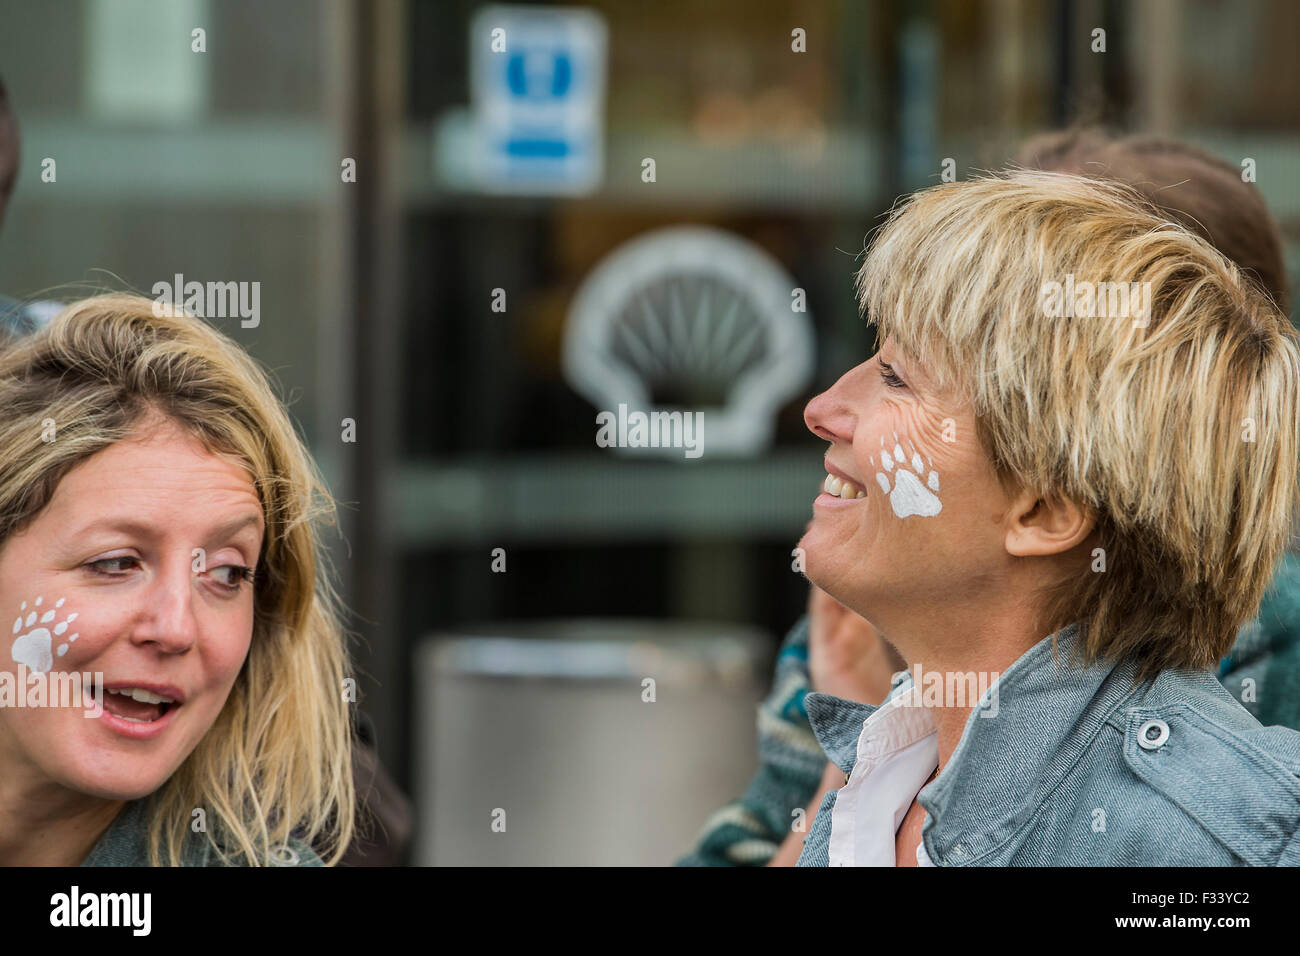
pixel 691 318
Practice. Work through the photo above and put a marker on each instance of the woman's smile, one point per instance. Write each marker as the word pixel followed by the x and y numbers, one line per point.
pixel 840 489
pixel 138 710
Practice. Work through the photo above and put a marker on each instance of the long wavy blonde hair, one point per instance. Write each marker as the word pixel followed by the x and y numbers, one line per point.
pixel 277 761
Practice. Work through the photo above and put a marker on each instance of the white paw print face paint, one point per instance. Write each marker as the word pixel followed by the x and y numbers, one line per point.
pixel 34 648
pixel 901 481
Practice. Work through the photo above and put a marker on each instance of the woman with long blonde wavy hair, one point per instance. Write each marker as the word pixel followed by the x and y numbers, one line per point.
pixel 159 521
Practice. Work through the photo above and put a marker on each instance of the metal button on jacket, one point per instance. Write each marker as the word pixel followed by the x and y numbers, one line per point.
pixel 1153 734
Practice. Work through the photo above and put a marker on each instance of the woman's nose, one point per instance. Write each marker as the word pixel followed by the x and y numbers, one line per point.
pixel 833 414
pixel 168 621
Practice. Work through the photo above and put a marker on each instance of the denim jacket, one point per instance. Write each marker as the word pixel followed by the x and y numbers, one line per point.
pixel 1088 766
pixel 126 843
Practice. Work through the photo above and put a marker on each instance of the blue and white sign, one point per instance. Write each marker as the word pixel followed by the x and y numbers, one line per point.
pixel 538 76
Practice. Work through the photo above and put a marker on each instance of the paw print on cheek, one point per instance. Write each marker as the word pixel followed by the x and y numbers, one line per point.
pixel 908 495
pixel 35 648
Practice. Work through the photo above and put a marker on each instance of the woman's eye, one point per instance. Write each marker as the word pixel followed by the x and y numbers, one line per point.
pixel 234 577
pixel 229 576
pixel 889 377
pixel 103 566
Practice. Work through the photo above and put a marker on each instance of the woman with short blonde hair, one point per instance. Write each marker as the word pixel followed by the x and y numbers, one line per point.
pixel 1119 412
pixel 158 527
pixel 1081 433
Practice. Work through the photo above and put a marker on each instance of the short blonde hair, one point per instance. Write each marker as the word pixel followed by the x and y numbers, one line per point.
pixel 277 760
pixel 1179 435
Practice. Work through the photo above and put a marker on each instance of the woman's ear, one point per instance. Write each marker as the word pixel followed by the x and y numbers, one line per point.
pixel 1041 526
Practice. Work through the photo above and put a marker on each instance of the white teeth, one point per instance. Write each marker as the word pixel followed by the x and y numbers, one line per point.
pixel 143 696
pixel 834 485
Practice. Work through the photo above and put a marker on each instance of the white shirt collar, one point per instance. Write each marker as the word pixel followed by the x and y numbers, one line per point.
pixel 897 751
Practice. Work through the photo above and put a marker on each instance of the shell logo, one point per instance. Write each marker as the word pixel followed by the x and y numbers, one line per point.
pixel 691 319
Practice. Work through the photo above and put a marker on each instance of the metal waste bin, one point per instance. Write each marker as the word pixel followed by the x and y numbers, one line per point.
pixel 581 742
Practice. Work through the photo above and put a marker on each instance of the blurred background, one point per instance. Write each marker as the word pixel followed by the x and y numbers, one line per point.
pixel 561 645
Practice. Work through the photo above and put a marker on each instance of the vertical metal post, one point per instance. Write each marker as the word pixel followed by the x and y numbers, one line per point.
pixel 379 309
pixel 336 380
pixel 1154 60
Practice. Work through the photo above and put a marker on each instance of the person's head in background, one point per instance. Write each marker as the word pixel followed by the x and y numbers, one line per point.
pixel 1199 191
pixel 16 318
pixel 8 150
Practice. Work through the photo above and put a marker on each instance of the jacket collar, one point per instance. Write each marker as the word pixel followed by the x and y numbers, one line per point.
pixel 1049 709
pixel 126 841
pixel 837 722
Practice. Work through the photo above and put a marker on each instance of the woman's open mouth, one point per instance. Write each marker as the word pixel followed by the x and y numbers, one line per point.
pixel 138 712
pixel 136 704
pixel 842 488
pixel 837 490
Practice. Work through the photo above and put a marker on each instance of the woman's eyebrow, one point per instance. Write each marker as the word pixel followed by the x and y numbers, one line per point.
pixel 131 526
pixel 234 526
pixel 125 525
